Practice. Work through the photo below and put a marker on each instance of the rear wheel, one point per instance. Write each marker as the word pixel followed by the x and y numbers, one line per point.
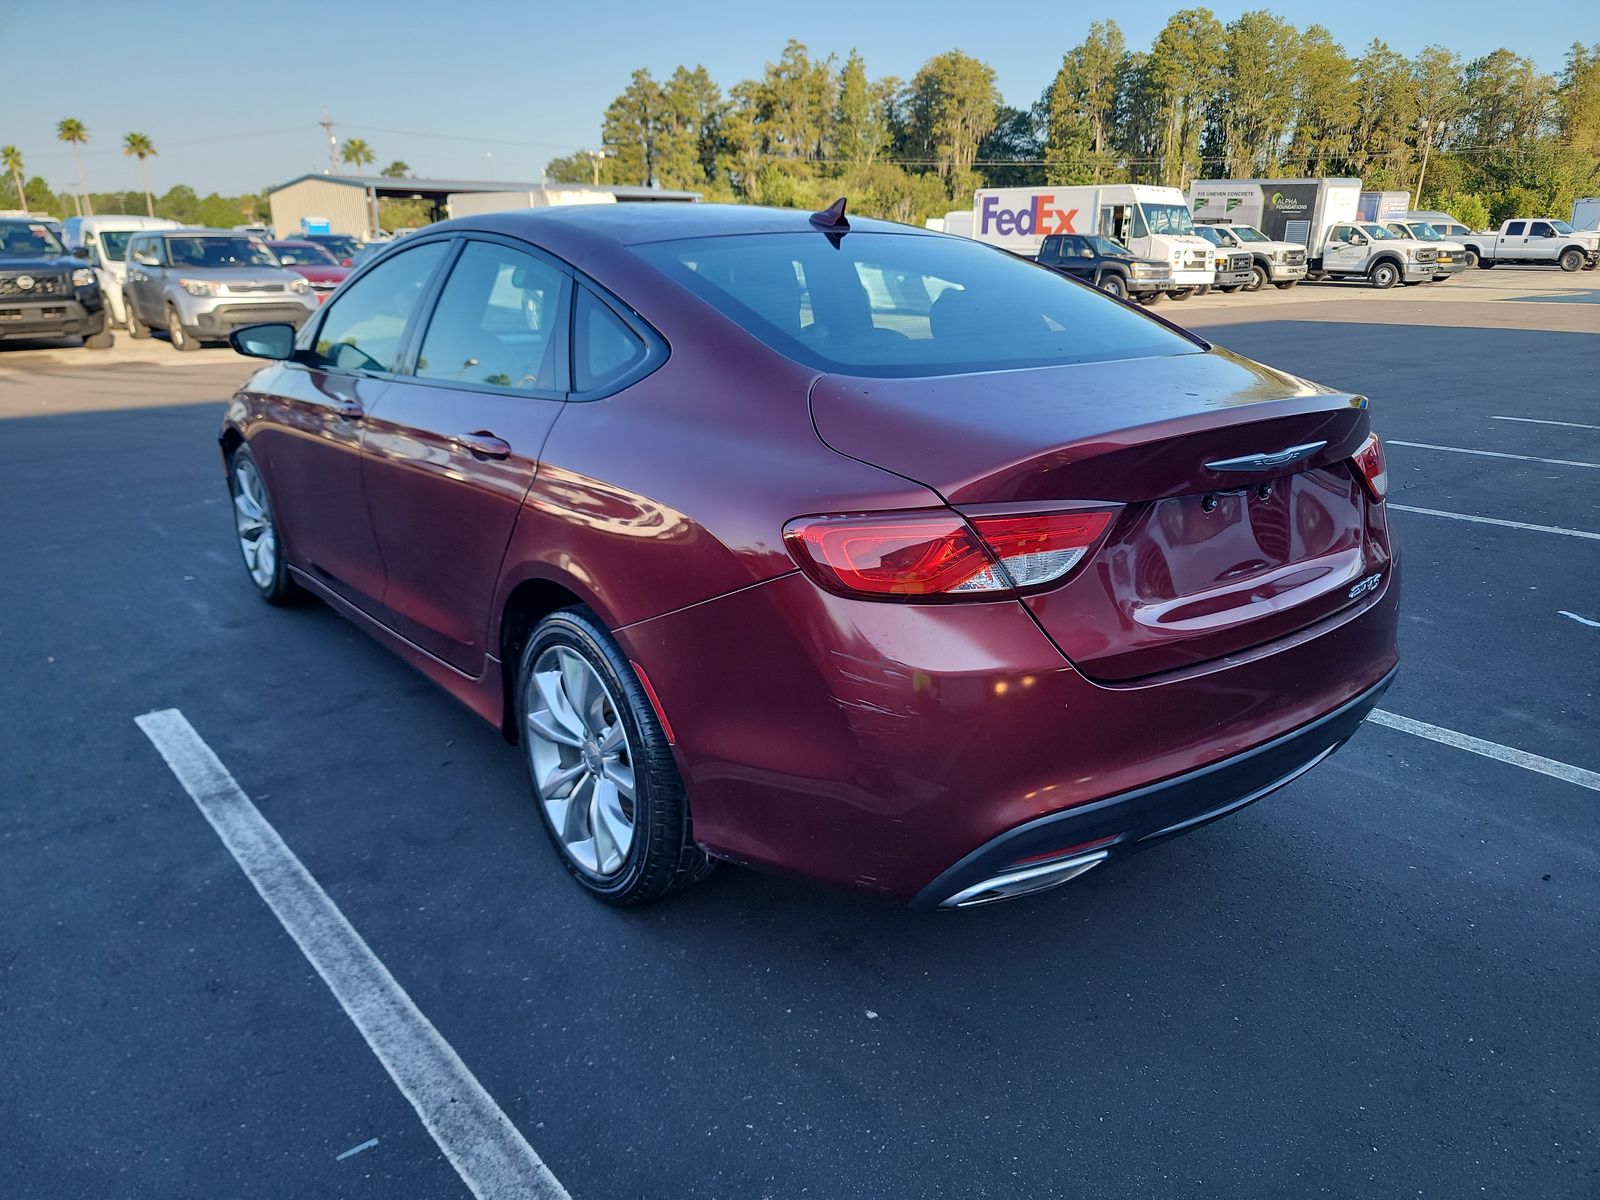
pixel 137 329
pixel 1286 284
pixel 608 789
pixel 180 337
pixel 1151 298
pixel 1181 293
pixel 1258 278
pixel 1485 264
pixel 1383 275
pixel 1572 260
pixel 1114 285
pixel 1203 290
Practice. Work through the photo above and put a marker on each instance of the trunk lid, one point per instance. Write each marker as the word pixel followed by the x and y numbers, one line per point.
pixel 1199 562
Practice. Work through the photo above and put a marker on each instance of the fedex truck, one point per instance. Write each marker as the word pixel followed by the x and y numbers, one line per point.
pixel 1152 222
pixel 1383 206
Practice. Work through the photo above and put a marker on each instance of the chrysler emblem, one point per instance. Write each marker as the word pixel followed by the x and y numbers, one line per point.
pixel 24 282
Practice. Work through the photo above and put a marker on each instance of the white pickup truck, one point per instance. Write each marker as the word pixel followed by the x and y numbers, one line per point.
pixel 1367 250
pixel 1544 242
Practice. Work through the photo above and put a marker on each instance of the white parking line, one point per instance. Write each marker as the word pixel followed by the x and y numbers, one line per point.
pixel 1561 612
pixel 1454 516
pixel 1506 754
pixel 1554 462
pixel 1537 421
pixel 480 1141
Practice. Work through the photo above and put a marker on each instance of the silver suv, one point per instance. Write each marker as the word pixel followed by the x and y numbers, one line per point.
pixel 200 284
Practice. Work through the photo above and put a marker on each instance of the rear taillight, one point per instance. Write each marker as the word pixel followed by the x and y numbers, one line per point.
pixel 938 555
pixel 1372 468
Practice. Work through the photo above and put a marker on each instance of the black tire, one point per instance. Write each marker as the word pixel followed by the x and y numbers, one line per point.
pixel 1151 298
pixel 137 329
pixel 1471 259
pixel 99 341
pixel 1383 275
pixel 1485 264
pixel 1113 284
pixel 1285 285
pixel 280 589
pixel 1182 293
pixel 1438 279
pixel 1572 260
pixel 1592 264
pixel 1203 290
pixel 662 857
pixel 1258 278
pixel 1229 288
pixel 180 337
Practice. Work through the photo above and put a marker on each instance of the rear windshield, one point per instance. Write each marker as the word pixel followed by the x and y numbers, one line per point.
pixel 886 304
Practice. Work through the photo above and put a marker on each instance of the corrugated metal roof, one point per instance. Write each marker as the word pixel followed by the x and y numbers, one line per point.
pixel 383 185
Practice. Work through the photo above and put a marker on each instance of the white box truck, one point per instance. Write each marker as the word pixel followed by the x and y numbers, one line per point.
pixel 1321 215
pixel 1152 222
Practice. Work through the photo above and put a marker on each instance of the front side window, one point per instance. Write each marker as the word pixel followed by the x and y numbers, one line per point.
pixel 365 325
pixel 1108 248
pixel 500 322
pixel 957 306
pixel 1541 229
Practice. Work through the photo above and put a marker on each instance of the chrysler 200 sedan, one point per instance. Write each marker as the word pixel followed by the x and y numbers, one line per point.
pixel 820 544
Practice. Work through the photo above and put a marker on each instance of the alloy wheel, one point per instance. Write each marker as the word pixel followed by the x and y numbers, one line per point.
pixel 258 538
pixel 582 761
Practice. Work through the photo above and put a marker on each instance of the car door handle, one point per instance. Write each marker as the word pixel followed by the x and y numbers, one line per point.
pixel 483 444
pixel 348 410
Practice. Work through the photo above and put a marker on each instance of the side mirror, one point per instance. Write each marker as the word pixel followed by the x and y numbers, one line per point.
pixel 80 252
pixel 274 341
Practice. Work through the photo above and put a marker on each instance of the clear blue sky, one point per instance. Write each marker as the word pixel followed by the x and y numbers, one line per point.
pixel 232 98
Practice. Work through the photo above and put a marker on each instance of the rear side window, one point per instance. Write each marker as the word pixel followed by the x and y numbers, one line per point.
pixel 364 329
pixel 605 349
pixel 500 322
pixel 1515 228
pixel 897 305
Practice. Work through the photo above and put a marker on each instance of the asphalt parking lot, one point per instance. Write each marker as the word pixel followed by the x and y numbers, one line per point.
pixel 1379 982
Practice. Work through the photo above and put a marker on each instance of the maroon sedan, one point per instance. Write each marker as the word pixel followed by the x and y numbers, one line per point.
pixel 316 265
pixel 829 546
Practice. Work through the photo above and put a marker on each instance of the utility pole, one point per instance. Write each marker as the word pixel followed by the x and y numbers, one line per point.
pixel 1423 128
pixel 333 143
pixel 594 160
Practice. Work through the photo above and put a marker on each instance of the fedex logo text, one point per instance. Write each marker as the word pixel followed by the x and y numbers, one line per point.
pixel 1039 218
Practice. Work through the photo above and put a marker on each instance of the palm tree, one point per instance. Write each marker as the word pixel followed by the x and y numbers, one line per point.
pixel 357 152
pixel 141 147
pixel 74 131
pixel 12 158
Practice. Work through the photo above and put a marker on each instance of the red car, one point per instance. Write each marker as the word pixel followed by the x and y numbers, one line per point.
pixel 823 545
pixel 316 265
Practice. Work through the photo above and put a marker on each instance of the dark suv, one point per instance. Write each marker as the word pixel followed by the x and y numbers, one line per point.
pixel 44 291
pixel 1107 265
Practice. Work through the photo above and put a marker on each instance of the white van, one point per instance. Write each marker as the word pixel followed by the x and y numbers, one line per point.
pixel 105 239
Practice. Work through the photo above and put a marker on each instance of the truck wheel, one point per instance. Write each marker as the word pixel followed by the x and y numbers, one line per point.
pixel 1229 288
pixel 1114 285
pixel 1383 275
pixel 1286 284
pixel 1471 259
pixel 1203 290
pixel 1181 293
pixel 180 337
pixel 1258 278
pixel 137 329
pixel 1592 264
pixel 1150 298
pixel 98 341
pixel 1485 264
pixel 1572 259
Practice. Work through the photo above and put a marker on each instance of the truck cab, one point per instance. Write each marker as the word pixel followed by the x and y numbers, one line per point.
pixel 1367 250
pixel 1282 264
pixel 1452 256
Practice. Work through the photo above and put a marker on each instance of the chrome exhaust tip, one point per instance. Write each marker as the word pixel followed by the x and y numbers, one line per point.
pixel 1009 885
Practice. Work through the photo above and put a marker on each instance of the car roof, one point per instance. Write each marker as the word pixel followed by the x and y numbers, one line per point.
pixel 635 223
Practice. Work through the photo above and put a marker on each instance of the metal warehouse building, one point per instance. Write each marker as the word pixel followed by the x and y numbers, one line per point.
pixel 349 203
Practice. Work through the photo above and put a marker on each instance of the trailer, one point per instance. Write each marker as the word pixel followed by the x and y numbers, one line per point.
pixel 1152 222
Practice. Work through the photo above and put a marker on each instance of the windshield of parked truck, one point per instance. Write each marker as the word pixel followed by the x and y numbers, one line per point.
pixel 114 243
pixel 1211 235
pixel 1423 232
pixel 1168 218
pixel 27 239
pixel 1562 227
pixel 1246 233
pixel 1379 233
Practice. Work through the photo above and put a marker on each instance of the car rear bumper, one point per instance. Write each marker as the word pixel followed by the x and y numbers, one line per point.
pixel 1084 837
pixel 872 745
pixel 62 316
